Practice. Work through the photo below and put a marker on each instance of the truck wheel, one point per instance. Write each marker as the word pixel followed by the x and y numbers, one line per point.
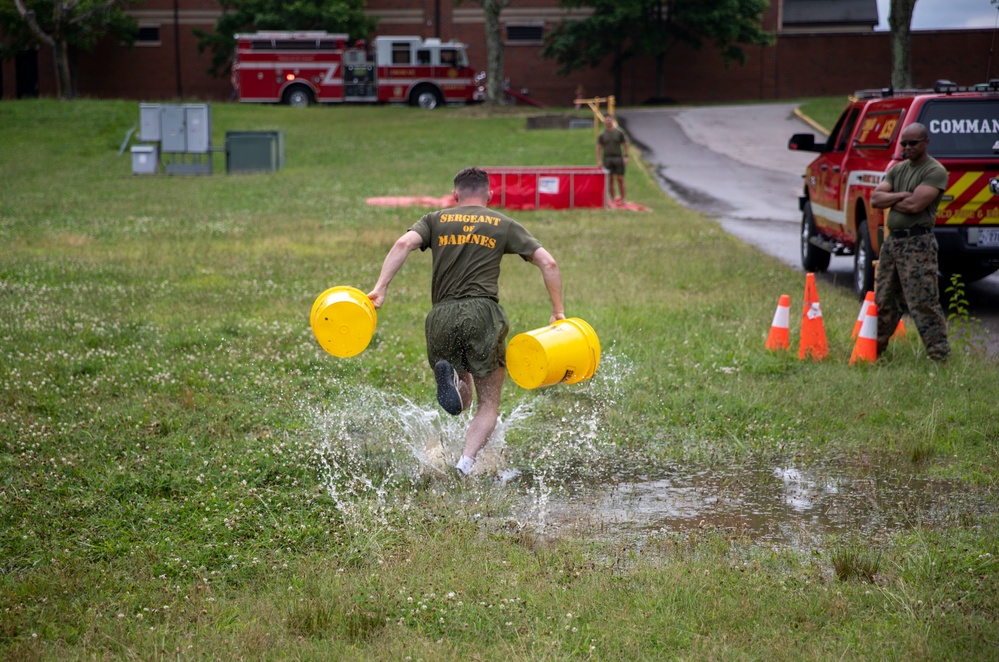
pixel 863 261
pixel 426 97
pixel 813 258
pixel 298 96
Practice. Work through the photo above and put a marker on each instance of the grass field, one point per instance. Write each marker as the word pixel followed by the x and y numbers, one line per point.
pixel 184 473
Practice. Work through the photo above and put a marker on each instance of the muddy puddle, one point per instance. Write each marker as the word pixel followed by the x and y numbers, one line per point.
pixel 376 451
pixel 780 504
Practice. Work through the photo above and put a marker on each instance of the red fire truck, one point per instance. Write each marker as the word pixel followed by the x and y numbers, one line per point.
pixel 299 68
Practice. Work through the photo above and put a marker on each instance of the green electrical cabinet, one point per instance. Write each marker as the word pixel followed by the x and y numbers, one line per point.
pixel 254 151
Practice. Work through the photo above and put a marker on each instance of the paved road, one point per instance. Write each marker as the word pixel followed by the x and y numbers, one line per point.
pixel 732 162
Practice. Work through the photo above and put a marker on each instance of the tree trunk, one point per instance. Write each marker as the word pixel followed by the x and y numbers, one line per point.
pixel 494 47
pixel 661 75
pixel 64 77
pixel 900 21
pixel 617 70
pixel 59 44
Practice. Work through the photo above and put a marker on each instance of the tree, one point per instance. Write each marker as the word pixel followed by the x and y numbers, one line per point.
pixel 63 26
pixel 491 10
pixel 624 29
pixel 584 44
pixel 900 22
pixel 345 16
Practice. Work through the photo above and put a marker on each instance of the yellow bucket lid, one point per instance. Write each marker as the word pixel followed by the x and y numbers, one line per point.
pixel 343 320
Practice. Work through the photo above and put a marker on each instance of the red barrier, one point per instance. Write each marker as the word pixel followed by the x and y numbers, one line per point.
pixel 547 187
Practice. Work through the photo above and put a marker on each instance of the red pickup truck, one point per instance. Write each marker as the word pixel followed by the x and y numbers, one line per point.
pixel 836 213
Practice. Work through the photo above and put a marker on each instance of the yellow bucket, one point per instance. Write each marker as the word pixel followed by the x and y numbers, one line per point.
pixel 343 320
pixel 567 351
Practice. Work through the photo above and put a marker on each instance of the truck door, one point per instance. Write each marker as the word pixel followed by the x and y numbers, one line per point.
pixel 828 175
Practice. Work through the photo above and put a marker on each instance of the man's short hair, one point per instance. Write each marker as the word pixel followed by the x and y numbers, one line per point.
pixel 473 181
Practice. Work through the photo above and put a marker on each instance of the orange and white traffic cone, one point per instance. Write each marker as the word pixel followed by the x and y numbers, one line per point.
pixel 868 300
pixel 813 331
pixel 866 348
pixel 780 328
pixel 900 331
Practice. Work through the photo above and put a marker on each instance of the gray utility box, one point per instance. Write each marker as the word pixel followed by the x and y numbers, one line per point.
pixel 183 133
pixel 149 122
pixel 186 128
pixel 254 151
pixel 145 160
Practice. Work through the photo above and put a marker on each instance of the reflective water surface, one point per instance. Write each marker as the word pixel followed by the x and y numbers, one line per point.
pixel 783 504
pixel 376 451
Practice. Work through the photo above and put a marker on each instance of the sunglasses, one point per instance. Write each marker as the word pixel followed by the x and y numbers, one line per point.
pixel 911 143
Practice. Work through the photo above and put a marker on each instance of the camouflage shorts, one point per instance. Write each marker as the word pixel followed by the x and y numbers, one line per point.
pixel 907 279
pixel 468 333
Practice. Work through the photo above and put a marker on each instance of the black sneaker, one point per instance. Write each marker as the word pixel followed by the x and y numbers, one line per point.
pixel 447 387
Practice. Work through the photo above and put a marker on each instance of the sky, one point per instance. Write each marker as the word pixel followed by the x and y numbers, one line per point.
pixel 944 14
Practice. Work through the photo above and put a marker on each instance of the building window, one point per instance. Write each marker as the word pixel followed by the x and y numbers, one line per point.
pixel 148 35
pixel 525 33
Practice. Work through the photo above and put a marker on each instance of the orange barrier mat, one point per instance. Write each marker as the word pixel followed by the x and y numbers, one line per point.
pixel 449 201
pixel 413 201
pixel 627 206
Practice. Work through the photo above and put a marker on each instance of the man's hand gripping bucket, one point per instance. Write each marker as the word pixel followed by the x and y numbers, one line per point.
pixel 343 320
pixel 568 351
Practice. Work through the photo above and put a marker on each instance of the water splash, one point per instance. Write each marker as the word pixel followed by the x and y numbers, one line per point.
pixel 375 448
pixel 564 474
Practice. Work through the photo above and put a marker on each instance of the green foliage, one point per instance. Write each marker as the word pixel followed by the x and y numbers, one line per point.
pixel 334 16
pixel 854 559
pixel 624 30
pixel 80 24
pixel 965 329
pixel 825 111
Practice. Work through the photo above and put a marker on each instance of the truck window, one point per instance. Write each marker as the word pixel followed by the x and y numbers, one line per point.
pixel 423 56
pixel 449 57
pixel 844 136
pixel 401 53
pixel 292 45
pixel 878 129
pixel 959 128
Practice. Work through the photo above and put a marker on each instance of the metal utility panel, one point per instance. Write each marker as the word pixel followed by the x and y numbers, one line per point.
pixel 149 122
pixel 145 160
pixel 173 129
pixel 198 121
pixel 254 151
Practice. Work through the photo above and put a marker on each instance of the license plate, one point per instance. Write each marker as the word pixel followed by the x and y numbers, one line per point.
pixel 988 236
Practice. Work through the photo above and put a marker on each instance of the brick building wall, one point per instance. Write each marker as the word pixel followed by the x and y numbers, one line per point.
pixel 797 65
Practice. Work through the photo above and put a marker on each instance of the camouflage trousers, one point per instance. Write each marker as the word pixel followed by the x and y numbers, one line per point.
pixel 907 277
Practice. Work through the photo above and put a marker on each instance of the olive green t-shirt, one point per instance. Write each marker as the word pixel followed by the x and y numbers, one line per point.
pixel 612 141
pixel 906 176
pixel 468 244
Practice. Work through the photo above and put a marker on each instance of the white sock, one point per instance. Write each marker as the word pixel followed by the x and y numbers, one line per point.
pixel 465 465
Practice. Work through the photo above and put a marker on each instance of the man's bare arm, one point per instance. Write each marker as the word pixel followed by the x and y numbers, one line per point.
pixel 918 200
pixel 544 261
pixel 884 197
pixel 396 257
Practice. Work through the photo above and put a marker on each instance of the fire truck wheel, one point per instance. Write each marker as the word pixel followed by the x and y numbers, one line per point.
pixel 298 96
pixel 427 97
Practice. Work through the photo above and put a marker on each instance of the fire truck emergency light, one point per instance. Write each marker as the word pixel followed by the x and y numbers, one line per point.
pixel 290 77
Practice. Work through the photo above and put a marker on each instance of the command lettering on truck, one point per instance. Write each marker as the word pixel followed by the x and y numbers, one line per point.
pixel 300 68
